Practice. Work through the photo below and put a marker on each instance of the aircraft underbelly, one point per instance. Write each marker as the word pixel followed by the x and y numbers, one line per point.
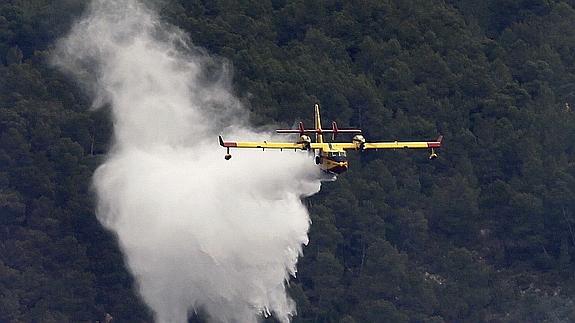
pixel 333 167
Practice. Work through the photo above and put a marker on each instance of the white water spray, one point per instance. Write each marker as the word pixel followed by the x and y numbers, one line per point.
pixel 198 232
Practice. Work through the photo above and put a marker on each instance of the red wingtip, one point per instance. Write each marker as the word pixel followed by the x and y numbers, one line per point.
pixel 227 144
pixel 436 143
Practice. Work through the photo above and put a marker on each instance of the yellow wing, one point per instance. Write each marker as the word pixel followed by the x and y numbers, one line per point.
pixel 359 145
pixel 261 144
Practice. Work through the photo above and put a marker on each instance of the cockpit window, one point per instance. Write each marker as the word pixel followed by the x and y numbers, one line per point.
pixel 338 156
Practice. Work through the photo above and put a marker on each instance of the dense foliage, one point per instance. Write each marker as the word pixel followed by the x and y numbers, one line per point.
pixel 485 233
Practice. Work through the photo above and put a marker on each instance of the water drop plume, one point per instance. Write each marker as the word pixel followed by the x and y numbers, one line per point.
pixel 198 233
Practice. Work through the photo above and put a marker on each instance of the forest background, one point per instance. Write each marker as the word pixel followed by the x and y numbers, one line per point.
pixel 484 233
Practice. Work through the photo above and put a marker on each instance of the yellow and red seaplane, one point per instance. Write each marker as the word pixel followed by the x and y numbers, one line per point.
pixel 330 156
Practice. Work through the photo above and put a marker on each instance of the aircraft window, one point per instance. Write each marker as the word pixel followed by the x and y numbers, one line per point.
pixel 336 154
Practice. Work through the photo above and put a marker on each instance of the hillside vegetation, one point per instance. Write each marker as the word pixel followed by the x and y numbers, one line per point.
pixel 484 233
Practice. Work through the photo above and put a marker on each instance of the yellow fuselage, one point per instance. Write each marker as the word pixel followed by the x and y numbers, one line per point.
pixel 332 161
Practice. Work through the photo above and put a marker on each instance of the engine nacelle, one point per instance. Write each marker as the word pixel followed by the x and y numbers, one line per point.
pixel 306 141
pixel 359 141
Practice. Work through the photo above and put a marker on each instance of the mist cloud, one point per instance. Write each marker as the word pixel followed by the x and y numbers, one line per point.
pixel 197 232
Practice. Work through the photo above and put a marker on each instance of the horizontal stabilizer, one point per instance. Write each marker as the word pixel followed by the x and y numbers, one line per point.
pixel 335 130
pixel 318 131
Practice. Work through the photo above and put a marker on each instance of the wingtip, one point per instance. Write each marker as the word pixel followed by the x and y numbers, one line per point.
pixel 436 143
pixel 221 141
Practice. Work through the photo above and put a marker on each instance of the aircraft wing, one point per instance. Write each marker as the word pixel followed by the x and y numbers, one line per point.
pixel 333 145
pixel 260 144
pixel 381 145
pixel 397 145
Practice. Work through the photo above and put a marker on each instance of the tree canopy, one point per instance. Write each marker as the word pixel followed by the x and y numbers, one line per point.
pixel 484 233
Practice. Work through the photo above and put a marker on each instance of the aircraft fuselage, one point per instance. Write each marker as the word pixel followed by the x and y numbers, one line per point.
pixel 332 161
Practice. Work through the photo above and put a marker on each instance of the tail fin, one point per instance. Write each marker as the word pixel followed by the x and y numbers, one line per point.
pixel 319 132
pixel 317 125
